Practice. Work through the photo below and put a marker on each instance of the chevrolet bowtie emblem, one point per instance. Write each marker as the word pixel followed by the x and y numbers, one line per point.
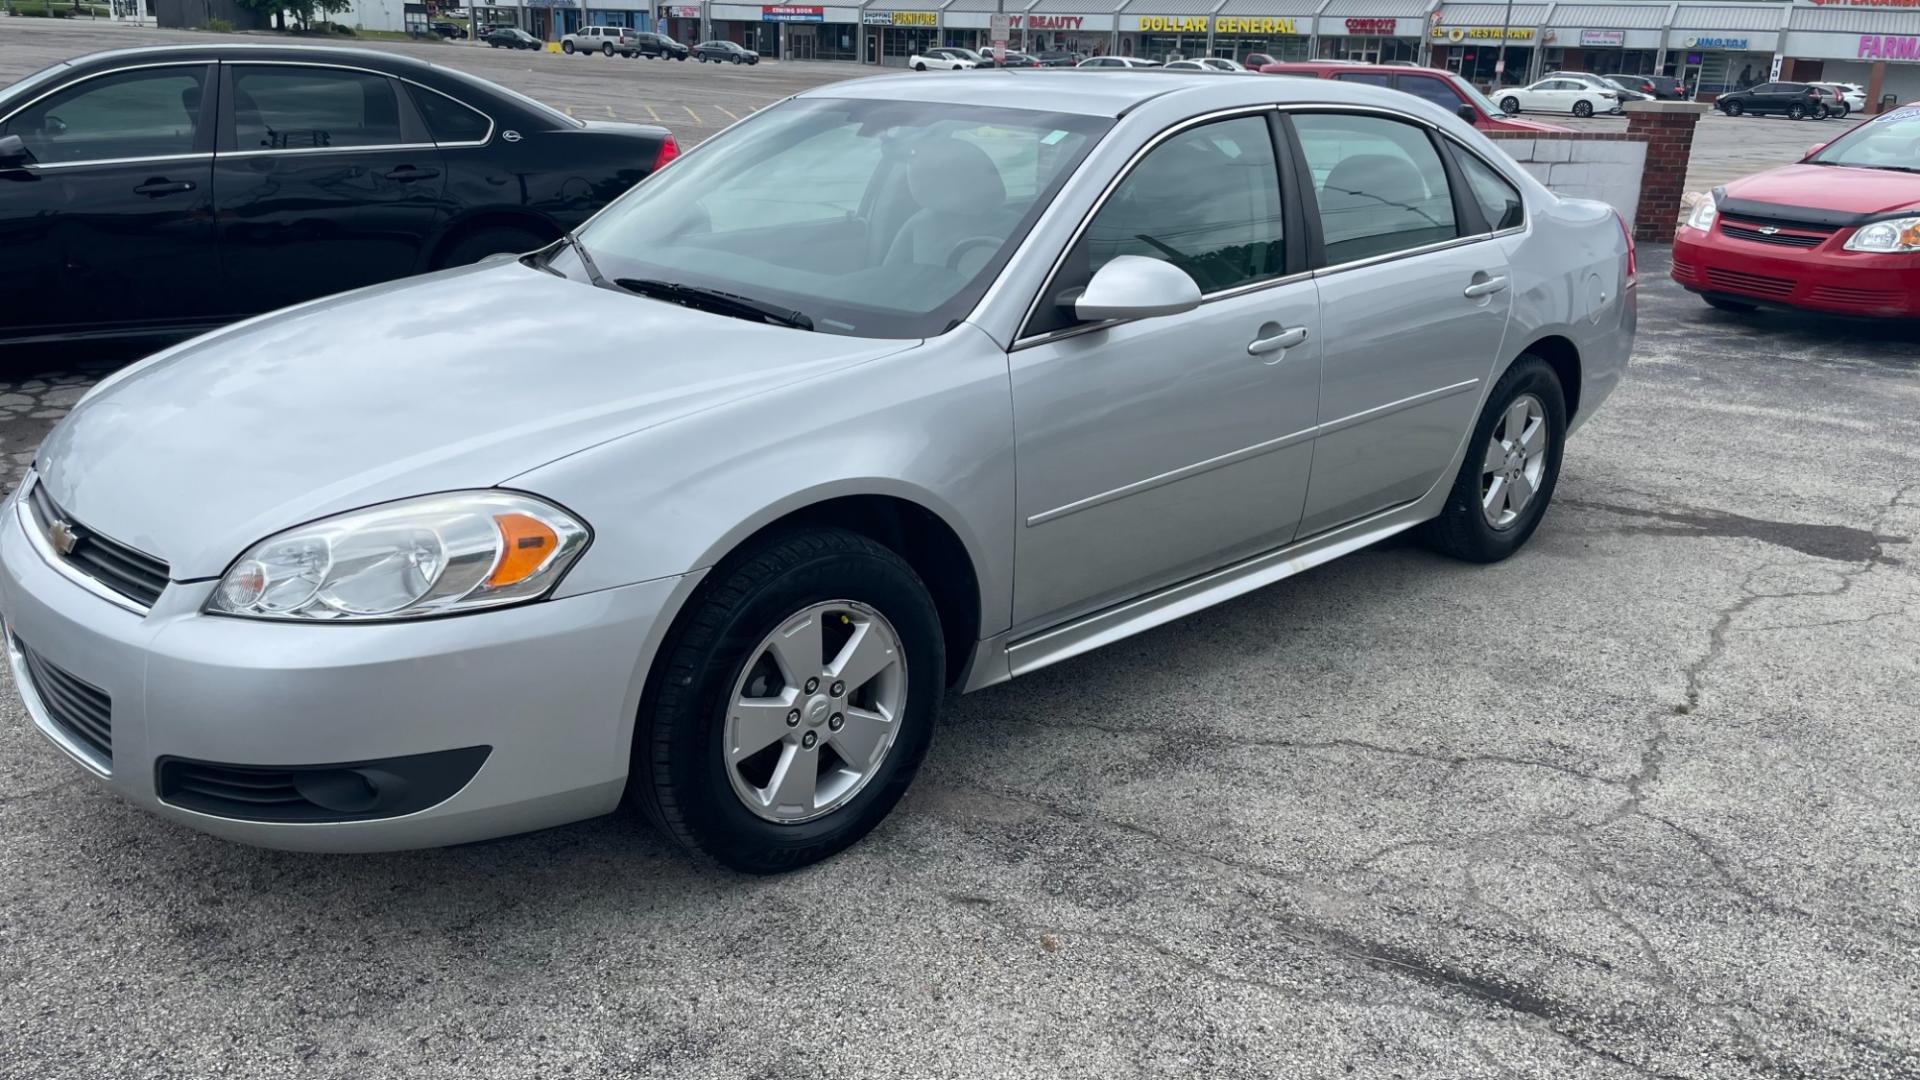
pixel 62 537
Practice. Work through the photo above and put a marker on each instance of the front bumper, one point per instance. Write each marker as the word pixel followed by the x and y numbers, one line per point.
pixel 1824 277
pixel 551 687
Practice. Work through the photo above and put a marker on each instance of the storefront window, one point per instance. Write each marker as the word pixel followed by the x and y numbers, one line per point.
pixel 898 43
pixel 1369 50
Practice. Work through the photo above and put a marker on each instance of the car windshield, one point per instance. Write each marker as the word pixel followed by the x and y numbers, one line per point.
pixel 1888 141
pixel 1479 99
pixel 871 218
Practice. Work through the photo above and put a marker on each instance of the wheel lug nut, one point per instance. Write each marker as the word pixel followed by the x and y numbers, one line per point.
pixel 793 717
pixel 837 689
pixel 813 685
pixel 807 740
pixel 836 721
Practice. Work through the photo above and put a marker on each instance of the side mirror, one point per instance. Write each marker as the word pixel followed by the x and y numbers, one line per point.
pixel 1815 148
pixel 1468 113
pixel 13 151
pixel 1136 287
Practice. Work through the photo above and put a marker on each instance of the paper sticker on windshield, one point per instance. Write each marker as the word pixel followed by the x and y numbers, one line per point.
pixel 1908 113
pixel 1054 137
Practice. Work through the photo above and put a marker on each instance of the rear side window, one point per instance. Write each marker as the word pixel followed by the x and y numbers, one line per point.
pixel 283 108
pixel 448 120
pixel 1432 89
pixel 1365 78
pixel 1379 184
pixel 1499 200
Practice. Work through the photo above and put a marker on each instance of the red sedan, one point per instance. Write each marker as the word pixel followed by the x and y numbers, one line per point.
pixel 1838 232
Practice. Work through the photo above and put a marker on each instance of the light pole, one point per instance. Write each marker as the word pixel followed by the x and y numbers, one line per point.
pixel 1500 65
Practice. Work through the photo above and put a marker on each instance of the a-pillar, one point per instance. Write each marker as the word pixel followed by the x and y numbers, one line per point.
pixel 1667 129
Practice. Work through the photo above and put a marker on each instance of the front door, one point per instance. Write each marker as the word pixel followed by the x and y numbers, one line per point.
pixel 108 224
pixel 1152 450
pixel 1410 318
pixel 325 180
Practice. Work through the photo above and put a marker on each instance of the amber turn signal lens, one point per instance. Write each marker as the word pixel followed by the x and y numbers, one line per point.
pixel 526 545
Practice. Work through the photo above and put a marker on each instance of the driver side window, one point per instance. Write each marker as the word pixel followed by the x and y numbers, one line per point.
pixel 151 112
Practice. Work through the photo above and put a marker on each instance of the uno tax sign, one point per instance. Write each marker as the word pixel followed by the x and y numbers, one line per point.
pixel 1221 24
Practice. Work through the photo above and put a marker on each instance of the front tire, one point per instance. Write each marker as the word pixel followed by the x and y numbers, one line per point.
pixel 1583 109
pixel 919 67
pixel 1796 111
pixel 567 47
pixel 1511 467
pixel 743 751
pixel 1510 106
pixel 1732 108
pixel 1735 307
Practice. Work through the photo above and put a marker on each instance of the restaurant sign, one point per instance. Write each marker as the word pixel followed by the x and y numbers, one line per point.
pixel 1373 27
pixel 1222 24
pixel 1481 33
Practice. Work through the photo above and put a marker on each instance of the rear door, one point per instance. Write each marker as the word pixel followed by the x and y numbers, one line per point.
pixel 1413 309
pixel 1431 88
pixel 326 179
pixel 110 225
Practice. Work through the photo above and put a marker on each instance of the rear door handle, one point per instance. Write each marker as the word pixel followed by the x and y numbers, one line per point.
pixel 1285 339
pixel 407 174
pixel 160 185
pixel 1484 288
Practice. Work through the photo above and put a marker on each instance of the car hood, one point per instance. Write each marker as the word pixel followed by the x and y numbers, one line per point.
pixel 461 379
pixel 1830 187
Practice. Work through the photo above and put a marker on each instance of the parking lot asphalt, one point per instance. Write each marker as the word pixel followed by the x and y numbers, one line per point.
pixel 1640 801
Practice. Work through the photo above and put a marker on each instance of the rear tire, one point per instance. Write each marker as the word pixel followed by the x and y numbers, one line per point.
pixel 1583 109
pixel 1464 529
pixel 682 777
pixel 1731 306
pixel 491 240
pixel 1510 106
pixel 606 50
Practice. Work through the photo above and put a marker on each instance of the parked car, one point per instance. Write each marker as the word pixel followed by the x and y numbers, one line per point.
pixel 1059 58
pixel 1837 232
pixel 1852 95
pixel 1443 88
pixel 1563 94
pixel 167 190
pixel 1627 86
pixel 1256 61
pixel 449 30
pixel 605 40
pixel 507 37
pixel 1664 87
pixel 659 47
pixel 1118 62
pixel 1014 59
pixel 724 52
pixel 1189 65
pixel 1207 63
pixel 1831 103
pixel 942 59
pixel 358 576
pixel 1793 100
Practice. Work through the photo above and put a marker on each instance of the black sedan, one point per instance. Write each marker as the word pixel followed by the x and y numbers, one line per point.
pixel 508 37
pixel 162 191
pixel 724 52
pixel 660 46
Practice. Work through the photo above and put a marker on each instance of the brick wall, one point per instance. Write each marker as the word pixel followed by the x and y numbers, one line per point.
pixel 1641 172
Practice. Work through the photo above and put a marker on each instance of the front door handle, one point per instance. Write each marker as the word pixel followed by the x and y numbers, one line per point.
pixel 406 174
pixel 1285 339
pixel 1484 288
pixel 160 185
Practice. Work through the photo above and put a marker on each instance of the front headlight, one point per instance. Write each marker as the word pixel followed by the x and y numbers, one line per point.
pixel 435 555
pixel 1887 237
pixel 1703 214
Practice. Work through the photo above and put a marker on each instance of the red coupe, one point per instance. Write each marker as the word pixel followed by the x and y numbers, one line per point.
pixel 1838 231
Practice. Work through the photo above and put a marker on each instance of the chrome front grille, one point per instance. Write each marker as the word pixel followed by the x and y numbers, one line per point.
pixel 123 570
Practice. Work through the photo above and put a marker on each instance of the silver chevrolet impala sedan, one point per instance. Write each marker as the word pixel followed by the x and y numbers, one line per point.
pixel 901 388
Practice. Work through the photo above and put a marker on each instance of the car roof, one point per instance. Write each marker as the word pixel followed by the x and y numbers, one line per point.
pixel 1324 67
pixel 277 50
pixel 1109 92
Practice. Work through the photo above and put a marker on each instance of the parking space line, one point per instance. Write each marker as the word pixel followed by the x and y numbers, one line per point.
pixel 568 109
pixel 650 112
pixel 610 112
pixel 728 111
pixel 695 115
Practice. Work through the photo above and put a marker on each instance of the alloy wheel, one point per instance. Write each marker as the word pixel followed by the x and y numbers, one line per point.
pixel 815 711
pixel 1515 461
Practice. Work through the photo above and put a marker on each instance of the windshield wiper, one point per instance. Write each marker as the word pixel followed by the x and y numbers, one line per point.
pixel 716 301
